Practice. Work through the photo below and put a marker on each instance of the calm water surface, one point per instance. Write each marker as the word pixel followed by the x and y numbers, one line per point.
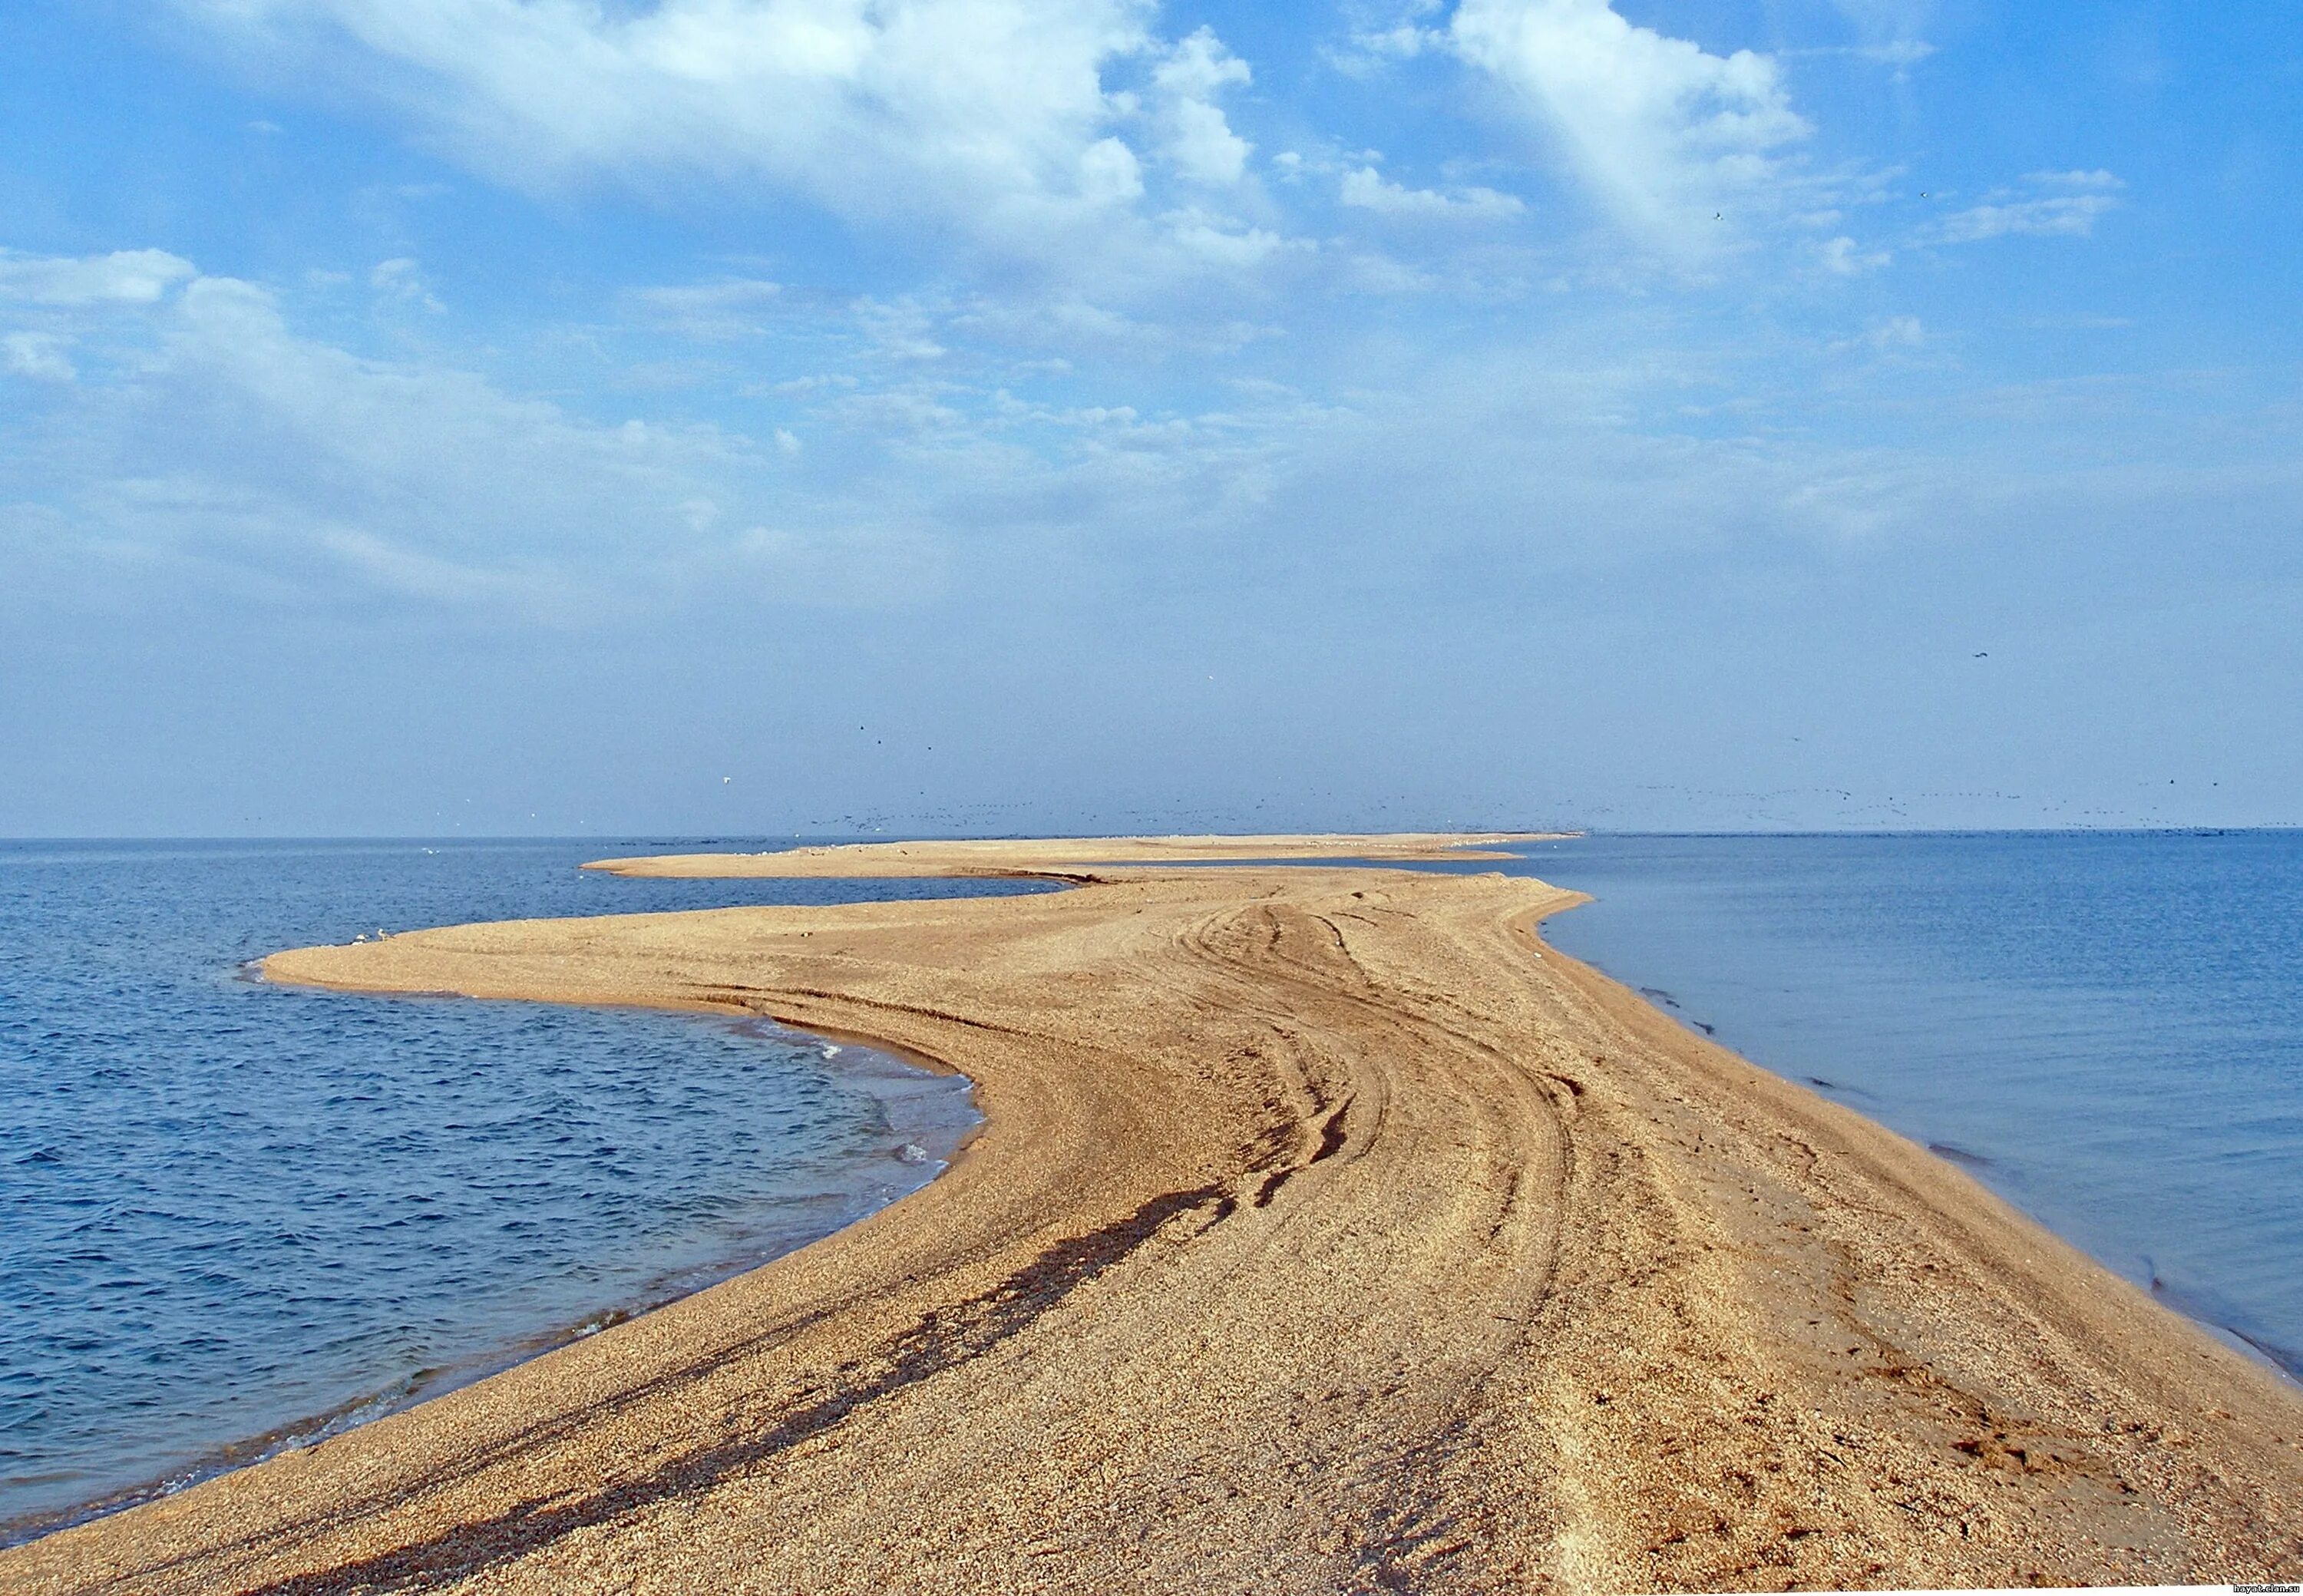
pixel 233 1215
pixel 2106 1029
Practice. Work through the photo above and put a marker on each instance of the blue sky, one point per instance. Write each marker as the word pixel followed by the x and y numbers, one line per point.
pixel 760 416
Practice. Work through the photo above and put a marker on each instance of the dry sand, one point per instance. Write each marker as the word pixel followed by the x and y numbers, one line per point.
pixel 1325 1233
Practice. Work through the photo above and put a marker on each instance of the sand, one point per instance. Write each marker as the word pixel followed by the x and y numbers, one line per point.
pixel 1326 1232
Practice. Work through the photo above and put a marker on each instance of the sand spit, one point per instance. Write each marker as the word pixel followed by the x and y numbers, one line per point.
pixel 1325 1234
pixel 1010 856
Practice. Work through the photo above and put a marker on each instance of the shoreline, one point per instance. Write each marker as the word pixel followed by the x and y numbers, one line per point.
pixel 2281 1362
pixel 433 1383
pixel 1283 1173
pixel 1972 994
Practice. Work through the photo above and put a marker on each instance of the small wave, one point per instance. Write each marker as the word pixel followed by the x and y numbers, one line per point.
pixel 299 1195
pixel 2289 1360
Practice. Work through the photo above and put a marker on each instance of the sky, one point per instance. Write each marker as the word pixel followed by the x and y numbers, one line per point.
pixel 767 417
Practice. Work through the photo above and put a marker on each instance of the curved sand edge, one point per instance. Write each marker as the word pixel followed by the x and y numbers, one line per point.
pixel 1319 1237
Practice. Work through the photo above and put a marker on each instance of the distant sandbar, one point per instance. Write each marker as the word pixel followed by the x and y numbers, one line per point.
pixel 889 861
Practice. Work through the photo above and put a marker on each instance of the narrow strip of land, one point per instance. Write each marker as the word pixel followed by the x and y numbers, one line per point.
pixel 1326 1232
pixel 1024 856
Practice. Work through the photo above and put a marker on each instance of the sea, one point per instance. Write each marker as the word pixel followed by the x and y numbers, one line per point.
pixel 237 1217
pixel 2103 1027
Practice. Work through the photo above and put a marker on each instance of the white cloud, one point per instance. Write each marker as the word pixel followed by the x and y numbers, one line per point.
pixel 221 440
pixel 1368 190
pixel 1110 173
pixel 1203 146
pixel 37 355
pixel 1374 273
pixel 1901 54
pixel 1658 127
pixel 1403 41
pixel 989 114
pixel 2048 205
pixel 50 303
pixel 1200 141
pixel 1843 256
pixel 713 312
pixel 401 282
pixel 1384 34
pixel 242 447
pixel 124 277
pixel 1894 333
pixel 1221 241
pixel 898 329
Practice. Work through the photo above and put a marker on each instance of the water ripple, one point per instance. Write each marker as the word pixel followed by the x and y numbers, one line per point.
pixel 240 1216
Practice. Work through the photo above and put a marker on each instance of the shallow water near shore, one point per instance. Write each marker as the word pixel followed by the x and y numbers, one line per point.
pixel 239 1216
pixel 2106 1029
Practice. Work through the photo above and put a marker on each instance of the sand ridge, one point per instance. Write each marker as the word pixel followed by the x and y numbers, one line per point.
pixel 1326 1232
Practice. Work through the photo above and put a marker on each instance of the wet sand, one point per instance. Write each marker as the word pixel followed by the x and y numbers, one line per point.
pixel 1325 1232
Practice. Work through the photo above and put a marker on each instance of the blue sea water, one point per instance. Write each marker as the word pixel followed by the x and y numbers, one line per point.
pixel 2105 1027
pixel 235 1215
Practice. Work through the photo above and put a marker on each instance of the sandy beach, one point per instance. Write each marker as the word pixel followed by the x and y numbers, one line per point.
pixel 1326 1232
